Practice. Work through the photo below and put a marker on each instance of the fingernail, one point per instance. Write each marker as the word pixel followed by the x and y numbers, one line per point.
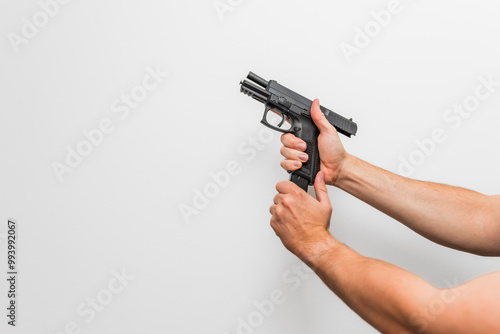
pixel 303 157
pixel 301 146
pixel 297 164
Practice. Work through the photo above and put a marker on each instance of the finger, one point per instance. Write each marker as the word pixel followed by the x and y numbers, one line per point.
pixel 319 118
pixel 272 209
pixel 277 199
pixel 290 164
pixel 292 154
pixel 320 188
pixel 286 187
pixel 289 140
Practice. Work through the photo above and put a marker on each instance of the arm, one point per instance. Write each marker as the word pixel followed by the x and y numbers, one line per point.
pixel 389 298
pixel 451 216
pixel 395 301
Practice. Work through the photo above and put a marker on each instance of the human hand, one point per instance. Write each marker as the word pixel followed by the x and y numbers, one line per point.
pixel 331 151
pixel 300 220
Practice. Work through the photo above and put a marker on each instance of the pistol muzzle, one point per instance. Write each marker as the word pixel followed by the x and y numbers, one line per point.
pixel 258 80
pixel 254 91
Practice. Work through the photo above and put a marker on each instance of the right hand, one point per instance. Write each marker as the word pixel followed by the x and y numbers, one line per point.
pixel 331 151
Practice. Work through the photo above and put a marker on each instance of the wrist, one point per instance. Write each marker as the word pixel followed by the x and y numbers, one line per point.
pixel 313 254
pixel 343 171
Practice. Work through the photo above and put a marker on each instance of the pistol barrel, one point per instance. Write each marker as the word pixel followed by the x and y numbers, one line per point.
pixel 258 80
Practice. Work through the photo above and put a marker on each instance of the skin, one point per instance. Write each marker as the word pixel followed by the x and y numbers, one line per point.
pixel 389 298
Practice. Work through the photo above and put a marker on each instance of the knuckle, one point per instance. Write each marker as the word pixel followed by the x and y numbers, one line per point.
pixel 286 201
pixel 288 165
pixel 279 211
pixel 283 150
pixel 287 139
pixel 284 138
pixel 294 165
pixel 297 194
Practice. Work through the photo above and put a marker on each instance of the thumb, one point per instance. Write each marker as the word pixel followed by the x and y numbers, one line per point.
pixel 319 118
pixel 320 188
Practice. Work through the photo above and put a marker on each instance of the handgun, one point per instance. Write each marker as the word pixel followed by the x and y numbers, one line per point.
pixel 291 113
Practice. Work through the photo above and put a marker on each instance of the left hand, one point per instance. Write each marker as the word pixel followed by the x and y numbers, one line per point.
pixel 300 220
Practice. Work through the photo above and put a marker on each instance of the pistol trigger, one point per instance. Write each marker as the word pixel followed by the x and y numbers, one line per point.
pixel 282 120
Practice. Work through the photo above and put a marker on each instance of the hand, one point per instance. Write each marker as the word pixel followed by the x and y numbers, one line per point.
pixel 300 220
pixel 331 151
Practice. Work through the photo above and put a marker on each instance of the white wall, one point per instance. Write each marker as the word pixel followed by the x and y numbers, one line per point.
pixel 119 208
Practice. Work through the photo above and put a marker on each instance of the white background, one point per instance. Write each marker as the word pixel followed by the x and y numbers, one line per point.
pixel 119 209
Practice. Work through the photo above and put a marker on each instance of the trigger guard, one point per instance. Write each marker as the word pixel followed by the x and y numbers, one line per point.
pixel 284 117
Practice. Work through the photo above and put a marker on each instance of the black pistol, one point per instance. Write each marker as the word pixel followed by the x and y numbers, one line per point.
pixel 291 113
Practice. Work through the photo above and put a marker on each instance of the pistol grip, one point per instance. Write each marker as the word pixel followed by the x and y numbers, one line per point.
pixel 307 173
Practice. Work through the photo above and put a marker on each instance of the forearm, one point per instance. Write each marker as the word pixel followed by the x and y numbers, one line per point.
pixel 454 217
pixel 384 295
